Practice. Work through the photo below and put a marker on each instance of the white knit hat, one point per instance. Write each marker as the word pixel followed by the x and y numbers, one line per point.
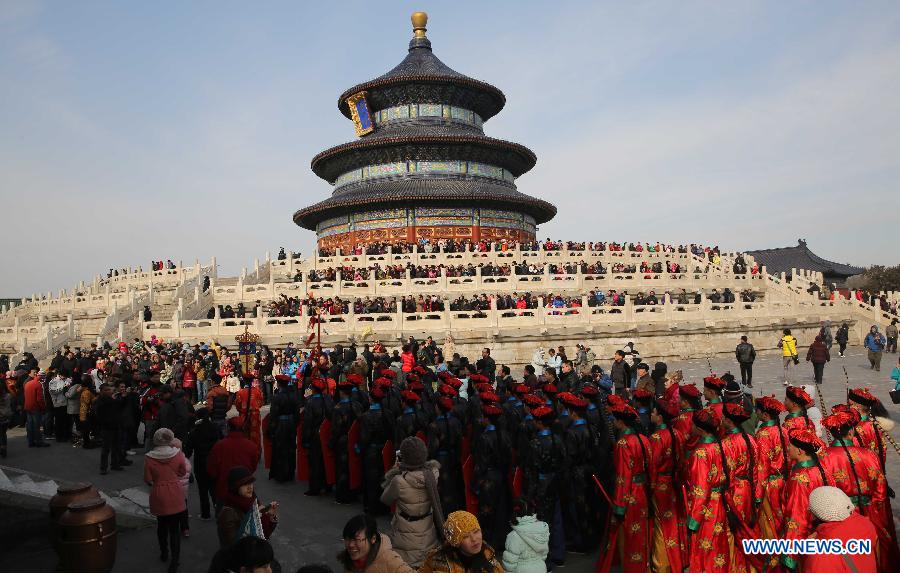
pixel 830 504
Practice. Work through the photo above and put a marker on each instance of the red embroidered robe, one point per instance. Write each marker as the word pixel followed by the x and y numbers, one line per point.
pixel 630 540
pixel 865 484
pixel 709 547
pixel 805 476
pixel 744 491
pixel 668 541
pixel 771 442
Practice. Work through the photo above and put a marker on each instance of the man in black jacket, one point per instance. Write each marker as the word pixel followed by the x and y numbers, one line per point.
pixel 174 413
pixel 568 381
pixel 486 365
pixel 284 416
pixel 745 354
pixel 108 417
pixel 199 442
pixel 620 373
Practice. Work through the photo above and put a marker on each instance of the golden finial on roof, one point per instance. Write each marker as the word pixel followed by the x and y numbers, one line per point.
pixel 419 21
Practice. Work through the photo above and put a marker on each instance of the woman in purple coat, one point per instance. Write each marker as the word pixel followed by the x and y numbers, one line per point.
pixel 164 468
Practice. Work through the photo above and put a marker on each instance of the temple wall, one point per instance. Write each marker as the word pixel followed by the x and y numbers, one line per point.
pixel 432 223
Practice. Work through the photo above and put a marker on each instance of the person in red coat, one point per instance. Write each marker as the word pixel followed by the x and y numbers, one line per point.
pixel 34 410
pixel 839 520
pixel 234 450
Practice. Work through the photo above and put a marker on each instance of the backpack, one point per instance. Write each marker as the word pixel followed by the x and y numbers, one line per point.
pixel 745 353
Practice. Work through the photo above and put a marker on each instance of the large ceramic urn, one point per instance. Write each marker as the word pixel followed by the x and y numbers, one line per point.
pixel 87 537
pixel 59 503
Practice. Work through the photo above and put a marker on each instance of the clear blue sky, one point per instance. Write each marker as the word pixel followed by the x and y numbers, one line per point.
pixel 137 131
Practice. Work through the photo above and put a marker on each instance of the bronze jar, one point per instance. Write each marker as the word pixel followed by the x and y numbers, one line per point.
pixel 87 537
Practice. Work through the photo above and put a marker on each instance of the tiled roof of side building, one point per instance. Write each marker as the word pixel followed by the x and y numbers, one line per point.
pixel 800 257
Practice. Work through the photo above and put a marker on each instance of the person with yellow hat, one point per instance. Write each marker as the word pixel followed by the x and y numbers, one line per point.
pixel 464 550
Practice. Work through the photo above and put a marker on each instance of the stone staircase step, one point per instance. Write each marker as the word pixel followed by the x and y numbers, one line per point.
pixel 21 481
pixel 132 505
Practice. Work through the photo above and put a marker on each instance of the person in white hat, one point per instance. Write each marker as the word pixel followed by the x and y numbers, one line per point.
pixel 837 518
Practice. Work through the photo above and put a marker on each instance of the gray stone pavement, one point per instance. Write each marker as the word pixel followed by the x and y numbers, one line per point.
pixel 309 528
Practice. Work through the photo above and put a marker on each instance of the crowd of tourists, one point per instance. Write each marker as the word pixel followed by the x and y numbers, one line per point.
pixel 523 269
pixel 286 306
pixel 479 468
pixel 465 245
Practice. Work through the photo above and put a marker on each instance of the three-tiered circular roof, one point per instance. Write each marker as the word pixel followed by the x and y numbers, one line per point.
pixel 424 113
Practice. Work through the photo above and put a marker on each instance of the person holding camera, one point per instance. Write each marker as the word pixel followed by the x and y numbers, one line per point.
pixel 413 485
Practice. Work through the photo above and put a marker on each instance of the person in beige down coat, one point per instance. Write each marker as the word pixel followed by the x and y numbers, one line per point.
pixel 412 485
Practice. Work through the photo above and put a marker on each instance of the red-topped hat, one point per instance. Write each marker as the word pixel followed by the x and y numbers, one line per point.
pixel 489 397
pixel 447 390
pixel 736 413
pixel 420 370
pixel 444 375
pixel 376 394
pixel 455 382
pixel 688 391
pixel 563 396
pixel 412 378
pixel 550 389
pixel 573 401
pixel 383 382
pixel 862 396
pixel 409 396
pixel 533 400
pixel 491 411
pixel 520 389
pixel 282 378
pixel 387 373
pixel 623 411
pixel 707 420
pixel 614 400
pixel 798 396
pixel 770 404
pixel 355 378
pixel 842 408
pixel 416 386
pixel 840 423
pixel 543 413
pixel 714 383
pixel 589 390
pixel 806 440
pixel 446 403
pixel 236 423
pixel 478 379
pixel 346 384
pixel 319 383
pixel 484 387
pixel 668 408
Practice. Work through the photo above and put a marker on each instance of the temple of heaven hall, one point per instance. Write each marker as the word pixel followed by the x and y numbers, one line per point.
pixel 422 167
